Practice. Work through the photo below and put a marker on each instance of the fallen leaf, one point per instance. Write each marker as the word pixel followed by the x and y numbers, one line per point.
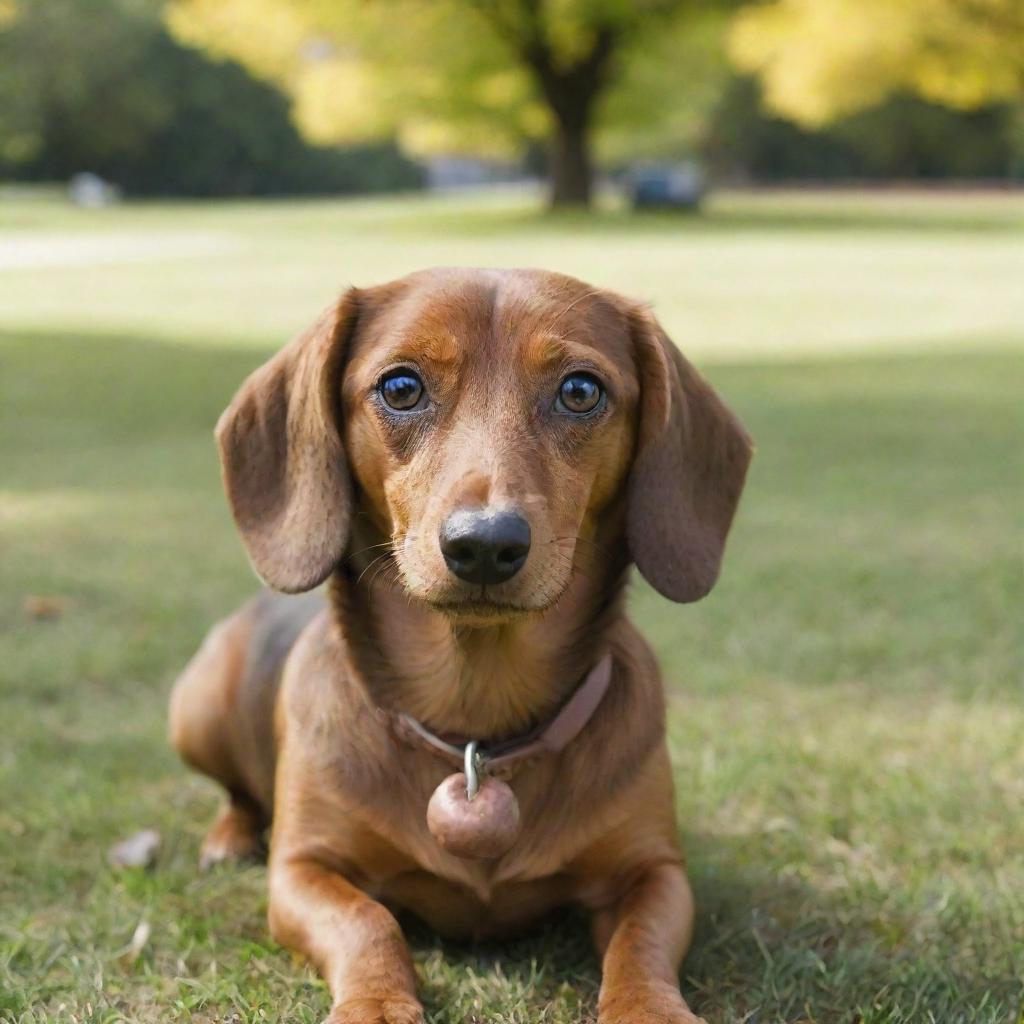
pixel 138 851
pixel 44 606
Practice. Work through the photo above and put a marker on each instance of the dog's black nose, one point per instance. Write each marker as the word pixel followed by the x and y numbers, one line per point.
pixel 485 545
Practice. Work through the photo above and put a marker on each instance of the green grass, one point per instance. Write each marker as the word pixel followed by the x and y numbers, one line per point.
pixel 847 714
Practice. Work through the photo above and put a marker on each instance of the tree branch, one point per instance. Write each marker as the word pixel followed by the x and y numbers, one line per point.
pixel 517 33
pixel 569 90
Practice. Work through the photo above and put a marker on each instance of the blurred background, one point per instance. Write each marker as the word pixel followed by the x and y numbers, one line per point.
pixel 821 199
pixel 282 97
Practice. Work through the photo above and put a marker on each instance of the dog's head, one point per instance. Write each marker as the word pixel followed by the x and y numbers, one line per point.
pixel 485 423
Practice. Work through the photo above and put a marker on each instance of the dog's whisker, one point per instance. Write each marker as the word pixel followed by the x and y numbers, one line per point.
pixel 362 551
pixel 581 540
pixel 387 554
pixel 591 555
pixel 571 564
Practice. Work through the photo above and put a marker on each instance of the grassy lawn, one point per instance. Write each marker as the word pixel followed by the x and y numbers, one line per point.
pixel 847 708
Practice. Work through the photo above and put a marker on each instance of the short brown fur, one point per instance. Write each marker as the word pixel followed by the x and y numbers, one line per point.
pixel 285 704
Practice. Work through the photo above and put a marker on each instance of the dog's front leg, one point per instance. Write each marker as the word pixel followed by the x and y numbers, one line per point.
pixel 643 938
pixel 354 941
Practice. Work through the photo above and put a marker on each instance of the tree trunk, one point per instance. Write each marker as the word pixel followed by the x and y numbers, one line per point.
pixel 570 169
pixel 571 95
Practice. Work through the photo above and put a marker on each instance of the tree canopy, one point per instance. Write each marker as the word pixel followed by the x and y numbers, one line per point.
pixel 481 74
pixel 100 85
pixel 622 77
pixel 820 59
pixel 876 88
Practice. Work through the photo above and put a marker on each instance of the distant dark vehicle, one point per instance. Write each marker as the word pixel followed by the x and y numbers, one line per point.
pixel 666 186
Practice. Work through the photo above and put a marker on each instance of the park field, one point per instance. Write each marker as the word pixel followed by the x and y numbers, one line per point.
pixel 846 710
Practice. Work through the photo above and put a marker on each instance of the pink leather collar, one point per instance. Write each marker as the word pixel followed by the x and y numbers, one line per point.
pixel 501 757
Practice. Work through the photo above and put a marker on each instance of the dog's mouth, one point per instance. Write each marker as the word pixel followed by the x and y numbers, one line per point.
pixel 479 604
pixel 481 610
pixel 482 606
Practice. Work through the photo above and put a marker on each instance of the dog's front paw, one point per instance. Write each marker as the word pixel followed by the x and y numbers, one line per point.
pixel 648 1003
pixel 395 1010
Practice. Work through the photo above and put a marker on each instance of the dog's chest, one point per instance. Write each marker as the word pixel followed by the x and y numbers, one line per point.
pixel 476 908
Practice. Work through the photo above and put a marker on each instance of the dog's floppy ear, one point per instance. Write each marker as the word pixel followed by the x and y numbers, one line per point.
pixel 688 472
pixel 283 459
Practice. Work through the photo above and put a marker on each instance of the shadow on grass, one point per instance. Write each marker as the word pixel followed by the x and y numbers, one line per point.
pixel 767 949
pixel 59 390
pixel 770 947
pixel 113 387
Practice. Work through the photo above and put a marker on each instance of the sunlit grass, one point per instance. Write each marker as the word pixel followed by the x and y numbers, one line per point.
pixel 847 708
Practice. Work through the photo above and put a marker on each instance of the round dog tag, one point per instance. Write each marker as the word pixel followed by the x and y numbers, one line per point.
pixel 480 828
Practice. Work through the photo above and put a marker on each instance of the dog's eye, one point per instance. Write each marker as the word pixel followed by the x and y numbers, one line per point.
pixel 401 390
pixel 579 394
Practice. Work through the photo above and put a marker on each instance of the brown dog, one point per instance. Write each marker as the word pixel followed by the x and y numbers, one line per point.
pixel 474 458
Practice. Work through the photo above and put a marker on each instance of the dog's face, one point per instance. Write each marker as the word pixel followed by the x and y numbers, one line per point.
pixel 486 423
pixel 489 420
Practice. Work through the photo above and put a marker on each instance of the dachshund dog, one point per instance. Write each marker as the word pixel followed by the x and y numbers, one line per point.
pixel 473 459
